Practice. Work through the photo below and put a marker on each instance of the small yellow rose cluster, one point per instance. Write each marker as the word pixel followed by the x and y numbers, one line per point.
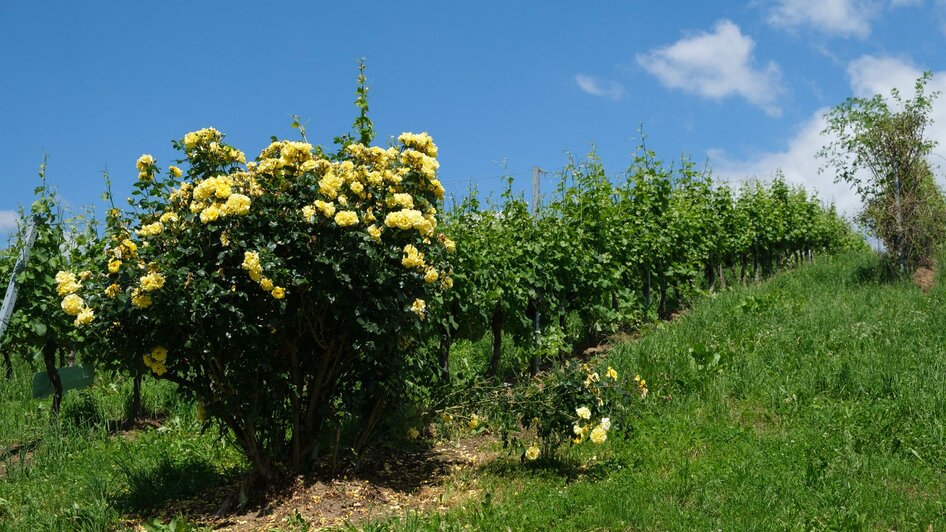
pixel 146 168
pixel 125 250
pixel 207 141
pixel 66 283
pixel 406 219
pixel 346 218
pixel 201 138
pixel 597 434
pixel 421 142
pixel 152 281
pixel 140 299
pixel 151 229
pixel 286 154
pixel 641 386
pixel 251 264
pixel 419 307
pixel 372 180
pixel 72 304
pixel 413 258
pixel 448 244
pixel 155 360
pixel 215 198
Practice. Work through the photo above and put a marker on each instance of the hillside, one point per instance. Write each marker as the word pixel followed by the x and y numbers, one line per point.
pixel 826 410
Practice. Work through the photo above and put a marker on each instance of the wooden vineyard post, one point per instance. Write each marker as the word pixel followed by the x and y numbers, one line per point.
pixel 536 207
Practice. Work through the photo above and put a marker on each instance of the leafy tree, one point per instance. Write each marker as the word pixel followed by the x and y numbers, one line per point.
pixel 880 148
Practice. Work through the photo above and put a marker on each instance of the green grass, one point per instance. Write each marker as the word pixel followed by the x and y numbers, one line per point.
pixel 84 473
pixel 826 411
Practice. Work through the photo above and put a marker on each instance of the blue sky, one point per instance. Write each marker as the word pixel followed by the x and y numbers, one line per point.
pixel 742 84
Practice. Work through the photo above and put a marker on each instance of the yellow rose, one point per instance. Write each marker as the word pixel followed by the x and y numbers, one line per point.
pixel 144 162
pixel 598 435
pixel 209 214
pixel 175 171
pixel 140 300
pixel 412 258
pixel 375 232
pixel 279 292
pixel 266 284
pixel 238 204
pixel 583 412
pixel 69 287
pixel 73 304
pixel 532 453
pixel 84 317
pixel 346 218
pixel 112 291
pixel 151 282
pixel 114 265
pixel 308 212
pixel 431 275
pixel 419 307
pixel 159 354
pixel 150 229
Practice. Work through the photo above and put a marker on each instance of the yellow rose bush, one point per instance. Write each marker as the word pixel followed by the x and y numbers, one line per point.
pixel 276 291
pixel 572 405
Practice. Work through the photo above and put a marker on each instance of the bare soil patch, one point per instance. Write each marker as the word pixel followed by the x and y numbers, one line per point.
pixel 384 486
pixel 924 278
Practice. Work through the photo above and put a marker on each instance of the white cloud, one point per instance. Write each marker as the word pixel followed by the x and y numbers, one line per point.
pixel 871 75
pixel 905 3
pixel 868 75
pixel 716 65
pixel 600 87
pixel 797 162
pixel 845 18
pixel 8 221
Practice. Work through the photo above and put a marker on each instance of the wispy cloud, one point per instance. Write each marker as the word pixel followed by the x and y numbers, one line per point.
pixel 600 87
pixel 716 65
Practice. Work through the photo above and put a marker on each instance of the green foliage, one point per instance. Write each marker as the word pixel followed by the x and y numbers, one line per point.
pixel 38 323
pixel 880 148
pixel 611 254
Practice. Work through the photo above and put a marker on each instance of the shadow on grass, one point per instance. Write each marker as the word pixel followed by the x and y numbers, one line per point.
pixel 168 487
pixel 568 468
pixel 873 269
pixel 155 481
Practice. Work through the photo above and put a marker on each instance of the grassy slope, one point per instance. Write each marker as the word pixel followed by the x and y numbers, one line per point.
pixel 826 411
pixel 84 473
